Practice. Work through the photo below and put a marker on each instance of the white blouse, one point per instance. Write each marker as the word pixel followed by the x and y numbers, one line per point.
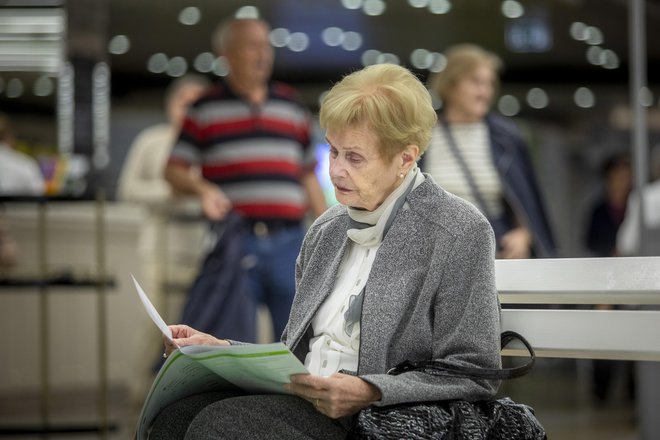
pixel 336 345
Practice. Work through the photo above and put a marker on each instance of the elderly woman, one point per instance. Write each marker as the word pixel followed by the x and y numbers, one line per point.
pixel 482 158
pixel 400 270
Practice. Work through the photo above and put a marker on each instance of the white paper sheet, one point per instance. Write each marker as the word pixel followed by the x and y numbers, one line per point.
pixel 152 312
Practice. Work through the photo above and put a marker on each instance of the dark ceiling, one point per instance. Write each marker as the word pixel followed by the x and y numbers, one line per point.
pixel 152 26
pixel 545 53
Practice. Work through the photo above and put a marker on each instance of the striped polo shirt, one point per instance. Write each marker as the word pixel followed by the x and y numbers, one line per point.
pixel 256 154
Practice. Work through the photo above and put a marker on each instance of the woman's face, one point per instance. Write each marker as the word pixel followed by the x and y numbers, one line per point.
pixel 472 95
pixel 361 177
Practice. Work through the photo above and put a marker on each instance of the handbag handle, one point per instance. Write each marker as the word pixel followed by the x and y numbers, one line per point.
pixel 439 367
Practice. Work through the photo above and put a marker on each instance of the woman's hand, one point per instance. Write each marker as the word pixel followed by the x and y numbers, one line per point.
pixel 517 243
pixel 336 396
pixel 183 335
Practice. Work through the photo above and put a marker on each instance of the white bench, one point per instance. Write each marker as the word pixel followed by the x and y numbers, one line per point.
pixel 630 332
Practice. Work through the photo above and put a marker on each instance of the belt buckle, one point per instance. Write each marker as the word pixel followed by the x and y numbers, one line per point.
pixel 260 229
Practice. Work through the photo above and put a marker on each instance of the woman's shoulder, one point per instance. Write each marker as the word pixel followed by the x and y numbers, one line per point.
pixel 437 207
pixel 329 218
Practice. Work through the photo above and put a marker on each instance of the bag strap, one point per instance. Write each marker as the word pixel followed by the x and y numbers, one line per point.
pixel 456 151
pixel 444 368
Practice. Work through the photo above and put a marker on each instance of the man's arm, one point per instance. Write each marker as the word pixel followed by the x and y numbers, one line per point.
pixel 184 180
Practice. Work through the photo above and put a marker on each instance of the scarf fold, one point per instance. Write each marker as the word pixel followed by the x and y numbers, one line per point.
pixel 368 228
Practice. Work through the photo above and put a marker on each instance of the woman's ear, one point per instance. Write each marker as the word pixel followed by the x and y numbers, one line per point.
pixel 409 156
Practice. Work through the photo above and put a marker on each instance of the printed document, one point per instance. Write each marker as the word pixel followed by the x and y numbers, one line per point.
pixel 253 368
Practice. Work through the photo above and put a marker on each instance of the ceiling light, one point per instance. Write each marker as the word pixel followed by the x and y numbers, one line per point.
pixel 374 7
pixel 14 88
pixel 352 41
pixel 279 37
pixel 247 12
pixel 204 62
pixel 594 55
pixel 369 57
pixel 157 63
pixel 439 62
pixel 593 36
pixel 584 97
pixel 421 59
pixel 418 3
pixel 439 6
pixel 220 66
pixel 645 97
pixel 190 15
pixel 512 9
pixel 119 45
pixel 508 105
pixel 578 31
pixel 388 58
pixel 352 4
pixel 298 42
pixel 43 86
pixel 332 36
pixel 537 98
pixel 610 60
pixel 177 66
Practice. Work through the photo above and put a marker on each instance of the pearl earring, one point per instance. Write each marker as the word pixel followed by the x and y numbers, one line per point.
pixel 401 175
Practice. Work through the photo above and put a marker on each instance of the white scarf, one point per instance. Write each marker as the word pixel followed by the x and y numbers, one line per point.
pixel 369 227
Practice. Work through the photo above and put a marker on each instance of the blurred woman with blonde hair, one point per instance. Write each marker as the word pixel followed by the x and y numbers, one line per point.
pixel 481 156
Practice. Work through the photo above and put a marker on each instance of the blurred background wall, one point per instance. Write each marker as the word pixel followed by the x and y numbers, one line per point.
pixel 82 77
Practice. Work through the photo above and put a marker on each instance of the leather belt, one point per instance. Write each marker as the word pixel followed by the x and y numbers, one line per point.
pixel 263 228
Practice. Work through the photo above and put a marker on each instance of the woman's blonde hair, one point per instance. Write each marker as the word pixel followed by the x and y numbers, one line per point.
pixel 390 100
pixel 461 60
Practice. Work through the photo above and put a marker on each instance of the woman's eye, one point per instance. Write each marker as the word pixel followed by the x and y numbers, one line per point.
pixel 333 153
pixel 354 158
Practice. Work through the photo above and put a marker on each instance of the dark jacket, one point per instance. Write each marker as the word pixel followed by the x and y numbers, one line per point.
pixel 519 184
pixel 219 301
pixel 430 295
pixel 522 196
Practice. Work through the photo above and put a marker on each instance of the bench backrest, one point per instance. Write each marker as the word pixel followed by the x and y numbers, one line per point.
pixel 599 308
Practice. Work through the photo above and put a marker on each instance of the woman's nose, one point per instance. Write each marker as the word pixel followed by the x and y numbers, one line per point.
pixel 336 169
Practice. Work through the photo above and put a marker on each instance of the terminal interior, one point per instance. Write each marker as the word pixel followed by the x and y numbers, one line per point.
pixel 81 78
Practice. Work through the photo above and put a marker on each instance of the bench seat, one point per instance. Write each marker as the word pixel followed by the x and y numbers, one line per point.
pixel 556 305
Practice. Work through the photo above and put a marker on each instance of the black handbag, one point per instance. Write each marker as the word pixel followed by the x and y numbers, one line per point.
pixel 495 419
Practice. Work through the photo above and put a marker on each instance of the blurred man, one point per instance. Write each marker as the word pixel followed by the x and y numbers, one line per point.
pixel 245 147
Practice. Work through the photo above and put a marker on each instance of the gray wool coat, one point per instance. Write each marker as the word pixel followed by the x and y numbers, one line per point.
pixel 430 295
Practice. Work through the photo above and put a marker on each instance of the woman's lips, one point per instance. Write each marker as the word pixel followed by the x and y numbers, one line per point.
pixel 342 189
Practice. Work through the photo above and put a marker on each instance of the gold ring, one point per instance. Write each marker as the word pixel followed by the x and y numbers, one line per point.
pixel 316 403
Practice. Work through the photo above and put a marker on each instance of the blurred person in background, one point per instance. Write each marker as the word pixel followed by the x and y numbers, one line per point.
pixel 142 181
pixel 245 150
pixel 604 221
pixel 19 173
pixel 629 243
pixel 608 212
pixel 142 177
pixel 482 157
